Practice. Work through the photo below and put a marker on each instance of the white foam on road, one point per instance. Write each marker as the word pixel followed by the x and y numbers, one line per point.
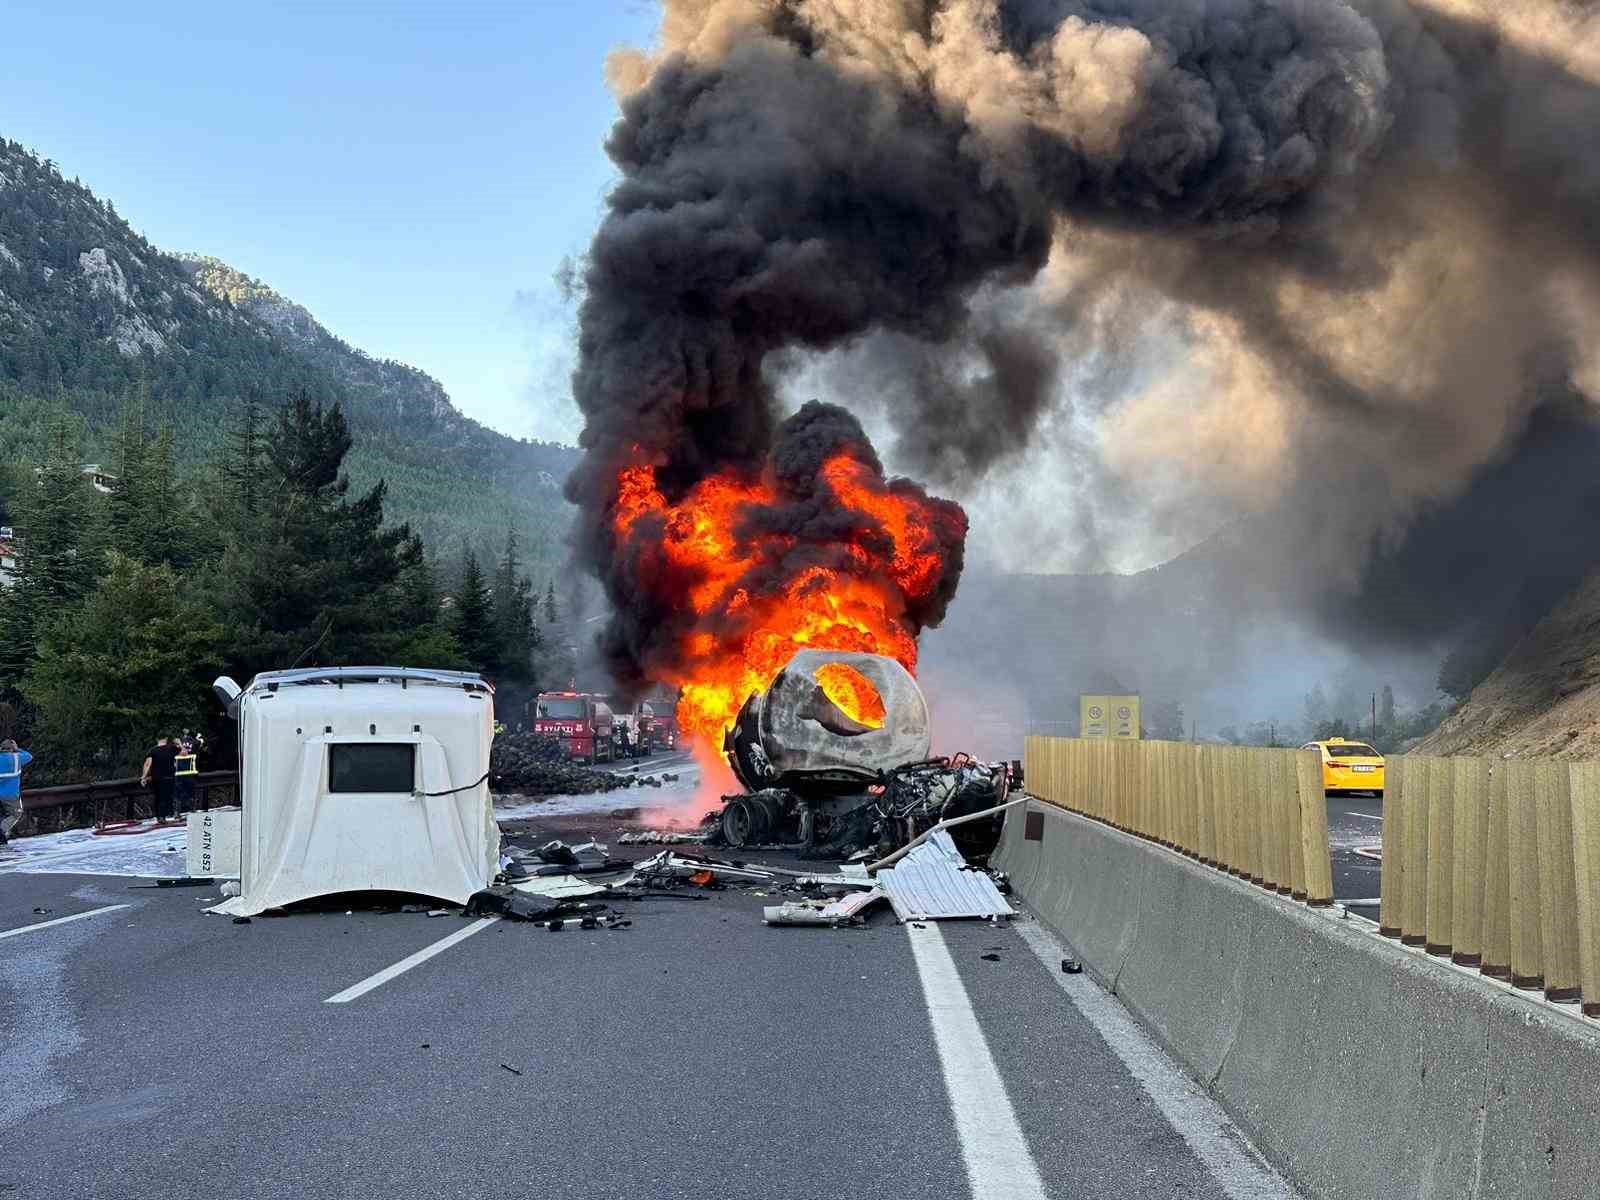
pixel 999 1163
pixel 1198 1119
pixel 152 854
pixel 675 800
pixel 35 928
pixel 356 990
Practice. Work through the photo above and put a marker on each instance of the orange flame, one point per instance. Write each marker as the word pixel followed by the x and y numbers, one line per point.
pixel 853 693
pixel 754 598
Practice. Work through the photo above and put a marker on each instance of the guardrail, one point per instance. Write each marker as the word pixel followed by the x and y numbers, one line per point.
pixel 1260 814
pixel 103 802
pixel 1495 864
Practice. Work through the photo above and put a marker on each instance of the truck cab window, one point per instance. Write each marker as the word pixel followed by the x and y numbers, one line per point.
pixel 372 767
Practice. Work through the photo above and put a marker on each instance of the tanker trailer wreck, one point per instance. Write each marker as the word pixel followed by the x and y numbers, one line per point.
pixel 835 756
pixel 830 721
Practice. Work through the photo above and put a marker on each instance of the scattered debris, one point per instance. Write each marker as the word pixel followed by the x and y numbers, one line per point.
pixel 506 901
pixel 801 913
pixel 657 837
pixel 241 920
pixel 1071 966
pixel 182 881
pixel 509 1067
pixel 844 911
pixel 43 912
pixel 847 880
pixel 530 764
pixel 670 865
pixel 558 858
pixel 573 887
pixel 990 957
pixel 853 905
pixel 932 881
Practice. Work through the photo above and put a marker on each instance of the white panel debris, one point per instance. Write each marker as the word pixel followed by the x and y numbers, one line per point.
pixel 934 883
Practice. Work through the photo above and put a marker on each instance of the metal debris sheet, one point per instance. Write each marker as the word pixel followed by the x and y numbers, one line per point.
pixel 933 883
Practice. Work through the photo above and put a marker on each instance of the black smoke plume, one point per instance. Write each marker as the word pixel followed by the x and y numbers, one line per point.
pixel 1376 216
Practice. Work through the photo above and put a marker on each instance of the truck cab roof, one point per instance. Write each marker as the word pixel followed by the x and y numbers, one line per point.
pixel 271 681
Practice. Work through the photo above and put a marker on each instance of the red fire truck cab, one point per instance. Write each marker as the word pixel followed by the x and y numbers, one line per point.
pixel 581 720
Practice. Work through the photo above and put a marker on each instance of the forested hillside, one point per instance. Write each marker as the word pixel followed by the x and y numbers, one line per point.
pixel 131 594
pixel 92 315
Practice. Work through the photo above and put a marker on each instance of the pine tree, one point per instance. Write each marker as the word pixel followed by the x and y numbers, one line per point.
pixel 53 570
pixel 128 508
pixel 130 661
pixel 474 616
pixel 419 637
pixel 319 582
pixel 241 464
pixel 552 615
pixel 149 516
pixel 516 629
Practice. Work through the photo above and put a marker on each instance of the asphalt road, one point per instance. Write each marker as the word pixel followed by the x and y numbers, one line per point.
pixel 1356 823
pixel 156 1051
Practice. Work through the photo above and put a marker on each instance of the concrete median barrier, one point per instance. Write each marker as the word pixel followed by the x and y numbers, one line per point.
pixel 1364 1070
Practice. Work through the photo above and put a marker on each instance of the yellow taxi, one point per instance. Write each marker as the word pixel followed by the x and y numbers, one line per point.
pixel 1349 766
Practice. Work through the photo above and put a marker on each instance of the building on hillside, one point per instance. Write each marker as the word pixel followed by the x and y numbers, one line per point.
pixel 100 479
pixel 8 556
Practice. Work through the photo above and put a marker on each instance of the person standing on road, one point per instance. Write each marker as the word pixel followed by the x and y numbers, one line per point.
pixel 12 761
pixel 187 766
pixel 161 768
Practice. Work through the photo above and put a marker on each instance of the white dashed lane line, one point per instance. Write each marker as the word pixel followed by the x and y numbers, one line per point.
pixel 356 990
pixel 93 912
pixel 999 1164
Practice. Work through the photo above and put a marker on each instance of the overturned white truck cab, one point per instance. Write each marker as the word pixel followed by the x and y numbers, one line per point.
pixel 363 779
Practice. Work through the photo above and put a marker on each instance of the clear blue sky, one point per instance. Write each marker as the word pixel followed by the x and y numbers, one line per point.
pixel 411 172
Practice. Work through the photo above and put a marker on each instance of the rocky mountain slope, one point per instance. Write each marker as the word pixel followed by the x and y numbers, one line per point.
pixel 1544 699
pixel 91 313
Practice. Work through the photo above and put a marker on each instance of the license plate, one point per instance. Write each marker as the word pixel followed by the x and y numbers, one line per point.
pixel 1362 768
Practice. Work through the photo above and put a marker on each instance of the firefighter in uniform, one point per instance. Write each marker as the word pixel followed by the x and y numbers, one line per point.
pixel 186 767
pixel 12 761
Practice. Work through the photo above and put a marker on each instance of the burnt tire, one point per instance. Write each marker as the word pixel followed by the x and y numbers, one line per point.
pixel 744 822
pixel 737 823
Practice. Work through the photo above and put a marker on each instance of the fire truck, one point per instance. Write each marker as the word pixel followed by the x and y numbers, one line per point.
pixel 664 727
pixel 658 712
pixel 581 720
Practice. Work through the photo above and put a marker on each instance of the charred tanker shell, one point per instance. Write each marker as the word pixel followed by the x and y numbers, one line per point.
pixel 818 729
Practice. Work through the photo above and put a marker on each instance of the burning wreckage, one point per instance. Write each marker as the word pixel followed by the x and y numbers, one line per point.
pixel 835 757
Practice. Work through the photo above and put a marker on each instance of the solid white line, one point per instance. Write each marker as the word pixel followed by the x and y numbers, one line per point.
pixel 356 990
pixel 1199 1120
pixel 999 1164
pixel 93 912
